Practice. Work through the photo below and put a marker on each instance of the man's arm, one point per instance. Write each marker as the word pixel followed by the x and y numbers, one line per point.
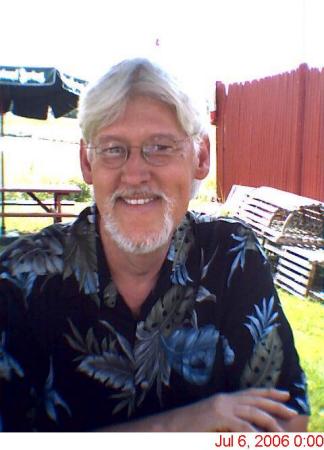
pixel 250 410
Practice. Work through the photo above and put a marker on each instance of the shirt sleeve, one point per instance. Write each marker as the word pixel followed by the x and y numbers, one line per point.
pixel 255 325
pixel 14 392
pixel 18 354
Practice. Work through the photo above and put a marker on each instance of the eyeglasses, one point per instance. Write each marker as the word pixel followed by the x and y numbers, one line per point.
pixel 158 151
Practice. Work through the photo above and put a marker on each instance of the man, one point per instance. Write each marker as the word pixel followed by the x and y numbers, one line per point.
pixel 141 316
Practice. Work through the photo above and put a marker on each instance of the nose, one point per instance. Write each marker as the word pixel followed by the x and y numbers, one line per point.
pixel 136 170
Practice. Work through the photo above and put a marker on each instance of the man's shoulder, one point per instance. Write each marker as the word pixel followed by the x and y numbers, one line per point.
pixel 49 237
pixel 56 251
pixel 216 231
pixel 212 222
pixel 50 240
pixel 32 256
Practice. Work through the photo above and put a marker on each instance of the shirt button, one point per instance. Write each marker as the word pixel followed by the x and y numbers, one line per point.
pixel 110 302
pixel 110 295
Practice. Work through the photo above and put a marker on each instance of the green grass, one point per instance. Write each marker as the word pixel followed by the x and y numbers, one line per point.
pixel 306 318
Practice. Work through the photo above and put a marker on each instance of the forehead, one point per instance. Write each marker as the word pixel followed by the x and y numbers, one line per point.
pixel 145 116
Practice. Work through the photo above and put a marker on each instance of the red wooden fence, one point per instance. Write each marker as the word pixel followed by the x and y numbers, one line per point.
pixel 270 132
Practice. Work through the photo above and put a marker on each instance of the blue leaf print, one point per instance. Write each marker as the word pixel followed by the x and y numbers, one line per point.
pixel 262 323
pixel 205 267
pixel 180 246
pixel 302 384
pixel 110 369
pixel 29 283
pixel 246 241
pixel 51 398
pixel 80 256
pixel 234 266
pixel 204 294
pixel 264 367
pixel 265 364
pixel 180 275
pixel 40 253
pixel 123 342
pixel 33 256
pixel 127 400
pixel 23 281
pixel 229 354
pixel 192 352
pixel 105 364
pixel 8 364
pixel 194 319
pixel 302 400
pixel 171 252
pixel 303 404
pixel 168 313
pixel 200 217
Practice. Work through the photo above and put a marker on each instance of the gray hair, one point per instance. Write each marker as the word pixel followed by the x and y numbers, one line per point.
pixel 104 101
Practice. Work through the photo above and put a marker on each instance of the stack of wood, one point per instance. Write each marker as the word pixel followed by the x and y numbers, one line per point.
pixel 291 229
pixel 304 226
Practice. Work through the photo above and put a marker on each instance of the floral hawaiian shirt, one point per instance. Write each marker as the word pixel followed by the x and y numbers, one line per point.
pixel 74 358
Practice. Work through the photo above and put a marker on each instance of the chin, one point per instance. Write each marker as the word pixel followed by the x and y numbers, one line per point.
pixel 149 242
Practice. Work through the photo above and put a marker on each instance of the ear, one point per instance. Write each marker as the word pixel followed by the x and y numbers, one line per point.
pixel 203 159
pixel 84 163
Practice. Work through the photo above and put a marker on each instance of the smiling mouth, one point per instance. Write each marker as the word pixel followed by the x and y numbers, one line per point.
pixel 137 197
pixel 138 201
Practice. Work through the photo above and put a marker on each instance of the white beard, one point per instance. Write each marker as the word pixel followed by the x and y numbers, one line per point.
pixel 152 240
pixel 195 188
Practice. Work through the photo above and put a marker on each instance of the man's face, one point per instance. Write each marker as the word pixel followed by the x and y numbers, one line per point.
pixel 140 205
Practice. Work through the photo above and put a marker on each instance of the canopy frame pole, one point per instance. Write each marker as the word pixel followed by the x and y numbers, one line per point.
pixel 3 225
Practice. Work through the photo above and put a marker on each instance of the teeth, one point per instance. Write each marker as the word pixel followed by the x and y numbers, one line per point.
pixel 138 201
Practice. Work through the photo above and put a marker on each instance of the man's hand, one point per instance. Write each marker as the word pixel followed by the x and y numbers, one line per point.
pixel 247 410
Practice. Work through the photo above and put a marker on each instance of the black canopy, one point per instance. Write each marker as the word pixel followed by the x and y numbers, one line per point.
pixel 30 91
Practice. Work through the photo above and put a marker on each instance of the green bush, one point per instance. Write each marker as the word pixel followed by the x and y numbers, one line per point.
pixel 85 195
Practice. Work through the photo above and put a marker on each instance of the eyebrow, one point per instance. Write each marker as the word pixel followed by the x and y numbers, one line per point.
pixel 111 137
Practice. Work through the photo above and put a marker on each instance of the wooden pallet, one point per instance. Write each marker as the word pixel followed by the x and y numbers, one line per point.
pixel 259 215
pixel 291 229
pixel 282 217
pixel 296 269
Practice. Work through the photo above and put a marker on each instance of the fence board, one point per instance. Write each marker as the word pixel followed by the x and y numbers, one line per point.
pixel 270 132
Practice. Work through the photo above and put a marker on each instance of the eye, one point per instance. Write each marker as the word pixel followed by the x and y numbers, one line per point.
pixel 112 151
pixel 159 148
